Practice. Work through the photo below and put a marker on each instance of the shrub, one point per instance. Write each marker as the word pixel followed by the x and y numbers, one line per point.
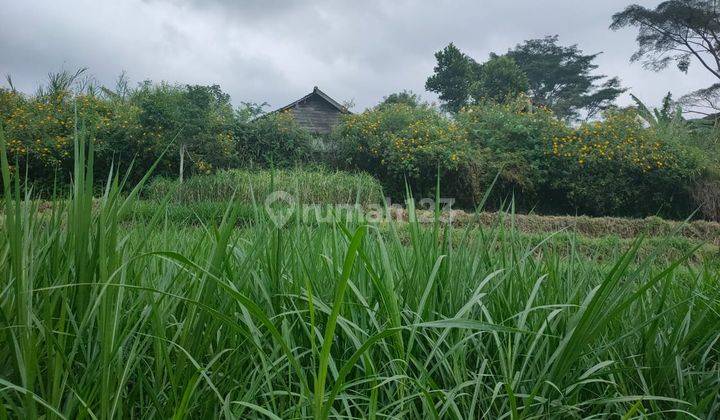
pixel 195 120
pixel 133 125
pixel 39 129
pixel 706 195
pixel 272 140
pixel 512 137
pixel 618 167
pixel 399 143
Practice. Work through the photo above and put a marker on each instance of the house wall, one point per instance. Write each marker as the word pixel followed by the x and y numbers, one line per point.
pixel 316 115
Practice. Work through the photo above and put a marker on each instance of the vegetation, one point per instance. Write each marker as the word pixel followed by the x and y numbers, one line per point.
pixel 102 319
pixel 498 79
pixel 452 77
pixel 630 163
pixel 617 166
pixel 678 32
pixel 402 144
pixel 308 186
pixel 557 77
pixel 562 78
pixel 193 127
pixel 145 274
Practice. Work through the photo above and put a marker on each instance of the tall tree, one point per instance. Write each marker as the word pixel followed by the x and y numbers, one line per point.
pixel 562 78
pixel 453 75
pixel 678 32
pixel 498 79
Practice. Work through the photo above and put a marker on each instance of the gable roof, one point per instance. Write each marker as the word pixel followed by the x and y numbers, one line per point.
pixel 324 96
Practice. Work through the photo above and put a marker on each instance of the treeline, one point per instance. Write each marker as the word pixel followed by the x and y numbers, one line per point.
pixel 633 162
pixel 192 126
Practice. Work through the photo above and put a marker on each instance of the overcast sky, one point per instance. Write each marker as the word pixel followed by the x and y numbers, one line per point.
pixel 276 51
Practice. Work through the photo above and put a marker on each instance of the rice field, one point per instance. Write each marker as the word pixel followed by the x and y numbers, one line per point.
pixel 102 316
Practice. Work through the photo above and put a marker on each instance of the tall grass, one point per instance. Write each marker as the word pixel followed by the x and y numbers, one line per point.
pixel 102 320
pixel 309 186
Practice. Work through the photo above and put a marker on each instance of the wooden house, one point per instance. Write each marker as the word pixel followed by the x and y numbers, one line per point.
pixel 316 112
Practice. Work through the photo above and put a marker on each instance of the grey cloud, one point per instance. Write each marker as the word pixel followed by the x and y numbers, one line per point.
pixel 275 50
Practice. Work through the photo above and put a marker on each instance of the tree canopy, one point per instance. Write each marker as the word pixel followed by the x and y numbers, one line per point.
pixel 498 79
pixel 452 77
pixel 676 31
pixel 562 78
pixel 406 97
pixel 679 32
pixel 558 77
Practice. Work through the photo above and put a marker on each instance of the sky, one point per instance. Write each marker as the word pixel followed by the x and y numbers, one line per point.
pixel 276 51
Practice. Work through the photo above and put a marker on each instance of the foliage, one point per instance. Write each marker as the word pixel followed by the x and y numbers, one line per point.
pixel 399 143
pixel 561 78
pixel 40 128
pixel 195 119
pixel 139 125
pixel 406 97
pixel 668 116
pixel 704 102
pixel 401 140
pixel 678 32
pixel 623 165
pixel 706 194
pixel 248 185
pixel 513 137
pixel 272 140
pixel 452 77
pixel 105 320
pixel 617 166
pixel 499 79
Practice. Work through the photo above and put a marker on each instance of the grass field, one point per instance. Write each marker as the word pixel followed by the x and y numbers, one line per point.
pixel 106 314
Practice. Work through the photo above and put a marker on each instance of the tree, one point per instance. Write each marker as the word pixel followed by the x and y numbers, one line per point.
pixel 561 78
pixel 705 102
pixel 558 77
pixel 499 78
pixel 675 31
pixel 452 78
pixel 679 32
pixel 406 97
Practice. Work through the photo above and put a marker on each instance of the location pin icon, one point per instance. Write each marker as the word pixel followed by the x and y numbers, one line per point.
pixel 279 206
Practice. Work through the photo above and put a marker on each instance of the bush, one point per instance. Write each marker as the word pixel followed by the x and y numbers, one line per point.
pixel 196 120
pixel 706 195
pixel 39 129
pixel 272 140
pixel 618 167
pixel 399 143
pixel 512 138
pixel 124 126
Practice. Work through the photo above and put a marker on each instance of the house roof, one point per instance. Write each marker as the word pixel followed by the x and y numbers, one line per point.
pixel 316 92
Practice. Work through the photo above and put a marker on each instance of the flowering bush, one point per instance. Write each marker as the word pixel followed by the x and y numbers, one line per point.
pixel 399 143
pixel 618 166
pixel 137 127
pixel 40 129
